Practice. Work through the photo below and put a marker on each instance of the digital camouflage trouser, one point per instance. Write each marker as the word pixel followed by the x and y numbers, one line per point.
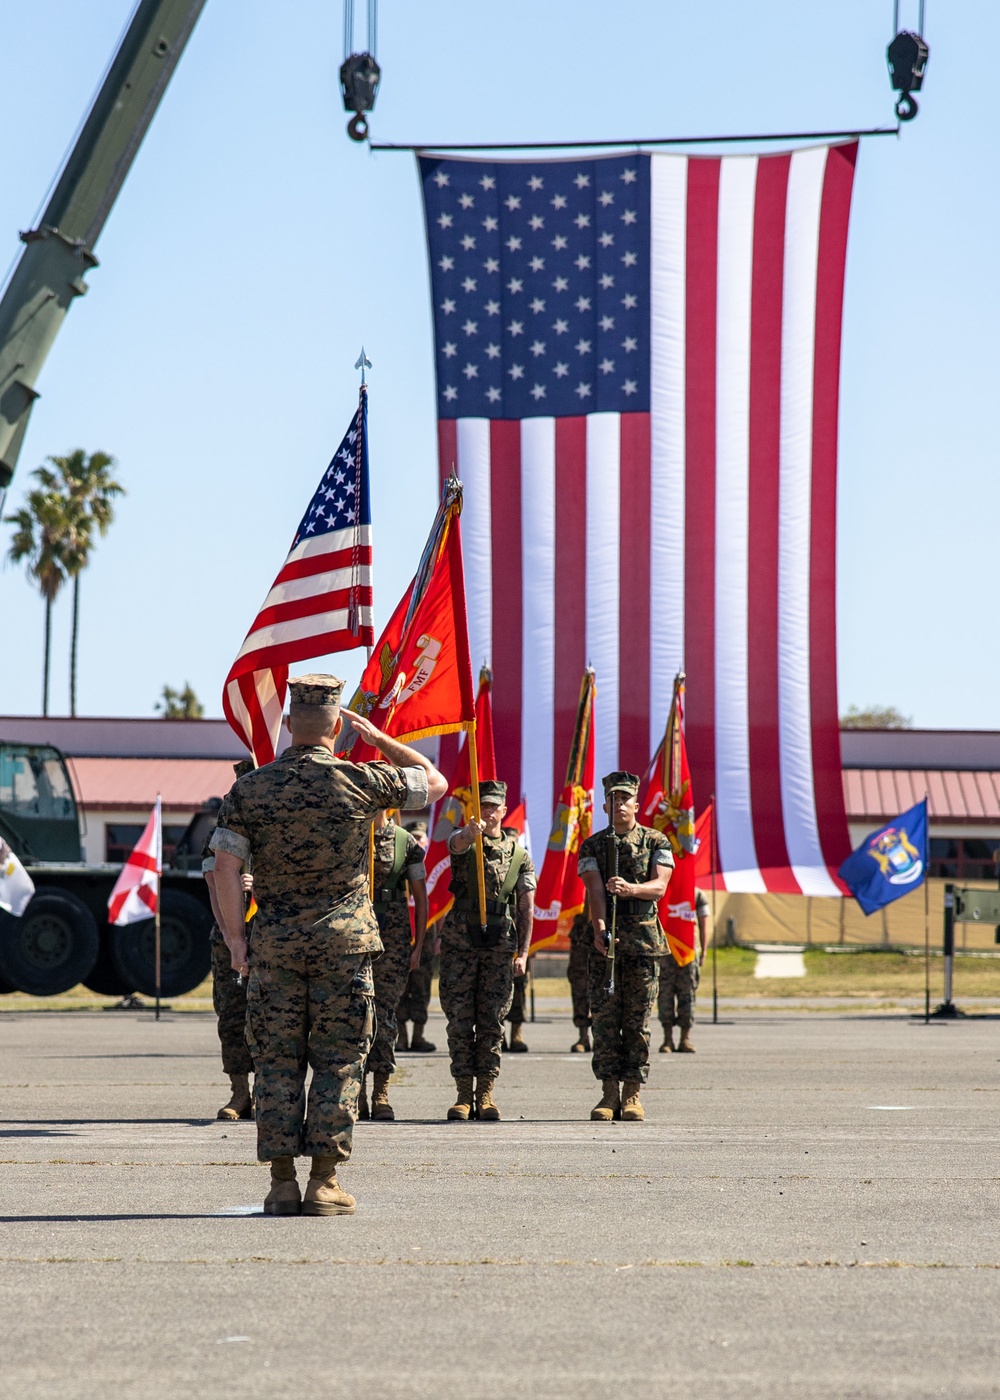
pixel 579 974
pixel 416 999
pixel 678 986
pixel 517 1014
pixel 621 1018
pixel 230 1004
pixel 390 971
pixel 476 988
pixel 307 1008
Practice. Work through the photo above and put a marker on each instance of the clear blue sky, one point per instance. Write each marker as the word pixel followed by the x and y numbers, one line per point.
pixel 254 248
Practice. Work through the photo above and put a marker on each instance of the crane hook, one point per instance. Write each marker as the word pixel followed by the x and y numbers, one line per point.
pixel 357 127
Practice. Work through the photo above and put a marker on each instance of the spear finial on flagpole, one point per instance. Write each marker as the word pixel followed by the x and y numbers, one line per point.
pixel 362 363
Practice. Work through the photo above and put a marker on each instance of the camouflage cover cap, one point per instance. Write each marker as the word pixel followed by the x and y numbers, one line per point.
pixel 493 790
pixel 621 782
pixel 315 690
pixel 245 765
pixel 416 828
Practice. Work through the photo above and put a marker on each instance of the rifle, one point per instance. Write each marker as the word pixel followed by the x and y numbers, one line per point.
pixel 610 935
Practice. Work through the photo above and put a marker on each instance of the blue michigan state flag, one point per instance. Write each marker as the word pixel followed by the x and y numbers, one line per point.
pixel 890 862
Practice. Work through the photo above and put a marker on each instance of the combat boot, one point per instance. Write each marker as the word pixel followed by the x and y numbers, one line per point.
pixel 401 1041
pixel 382 1111
pixel 517 1043
pixel 610 1106
pixel 363 1098
pixel 632 1109
pixel 582 1046
pixel 485 1107
pixel 418 1042
pixel 323 1194
pixel 685 1047
pixel 667 1048
pixel 461 1109
pixel 239 1105
pixel 284 1197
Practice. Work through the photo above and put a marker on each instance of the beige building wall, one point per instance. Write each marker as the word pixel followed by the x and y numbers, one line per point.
pixel 790 918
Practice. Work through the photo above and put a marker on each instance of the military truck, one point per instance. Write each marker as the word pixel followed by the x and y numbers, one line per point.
pixel 63 937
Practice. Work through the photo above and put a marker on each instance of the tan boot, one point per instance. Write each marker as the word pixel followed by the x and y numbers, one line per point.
pixel 462 1107
pixel 685 1047
pixel 323 1194
pixel 486 1108
pixel 284 1197
pixel 632 1109
pixel 610 1106
pixel 419 1042
pixel 517 1043
pixel 667 1048
pixel 239 1105
pixel 381 1107
pixel 363 1098
pixel 582 1045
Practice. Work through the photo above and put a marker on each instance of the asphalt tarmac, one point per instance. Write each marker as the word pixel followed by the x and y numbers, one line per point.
pixel 810 1209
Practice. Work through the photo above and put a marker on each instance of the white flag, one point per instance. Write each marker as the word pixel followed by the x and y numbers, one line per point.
pixel 16 885
pixel 137 890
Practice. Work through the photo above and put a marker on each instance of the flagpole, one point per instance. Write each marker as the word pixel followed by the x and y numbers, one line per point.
pixel 477 814
pixel 715 924
pixel 159 895
pixel 927 926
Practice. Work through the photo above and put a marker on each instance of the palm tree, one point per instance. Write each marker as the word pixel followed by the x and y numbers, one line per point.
pixel 88 488
pixel 40 530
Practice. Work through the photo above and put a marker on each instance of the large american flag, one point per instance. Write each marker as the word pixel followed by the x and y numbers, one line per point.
pixel 637 369
pixel 321 600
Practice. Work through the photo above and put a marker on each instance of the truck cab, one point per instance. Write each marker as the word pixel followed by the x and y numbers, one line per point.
pixel 63 937
pixel 38 811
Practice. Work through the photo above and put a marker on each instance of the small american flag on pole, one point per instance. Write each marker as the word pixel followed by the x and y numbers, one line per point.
pixel 321 600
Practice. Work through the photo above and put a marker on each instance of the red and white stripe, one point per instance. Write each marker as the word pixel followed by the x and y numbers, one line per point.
pixel 136 893
pixel 700 536
pixel 305 614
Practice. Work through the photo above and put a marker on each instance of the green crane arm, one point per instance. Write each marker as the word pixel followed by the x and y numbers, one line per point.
pixel 60 251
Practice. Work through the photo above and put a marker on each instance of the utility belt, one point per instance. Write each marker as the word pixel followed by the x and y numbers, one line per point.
pixel 388 895
pixel 499 921
pixel 635 908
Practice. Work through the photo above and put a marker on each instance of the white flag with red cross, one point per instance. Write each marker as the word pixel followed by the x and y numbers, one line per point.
pixel 136 893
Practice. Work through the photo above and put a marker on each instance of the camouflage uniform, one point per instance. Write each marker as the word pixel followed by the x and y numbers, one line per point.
pixel 415 1002
pixel 621 1018
pixel 678 985
pixel 392 967
pixel 230 1002
pixel 228 999
pixel 304 821
pixel 581 940
pixel 476 985
pixel 519 1001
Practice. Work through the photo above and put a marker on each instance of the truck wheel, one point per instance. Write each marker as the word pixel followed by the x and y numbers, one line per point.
pixel 185 954
pixel 104 977
pixel 53 945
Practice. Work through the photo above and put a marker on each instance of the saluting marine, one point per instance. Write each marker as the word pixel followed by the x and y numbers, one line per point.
pixel 304 822
pixel 625 869
pixel 399 862
pixel 478 966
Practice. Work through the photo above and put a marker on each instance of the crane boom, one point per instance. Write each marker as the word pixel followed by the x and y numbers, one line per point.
pixel 60 250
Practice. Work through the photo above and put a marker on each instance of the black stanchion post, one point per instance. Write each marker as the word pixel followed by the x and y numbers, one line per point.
pixel 949 948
